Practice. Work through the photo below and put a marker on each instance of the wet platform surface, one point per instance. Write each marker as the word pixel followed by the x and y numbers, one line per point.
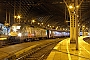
pixel 66 51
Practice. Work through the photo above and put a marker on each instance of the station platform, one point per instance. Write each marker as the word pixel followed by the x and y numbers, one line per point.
pixel 66 51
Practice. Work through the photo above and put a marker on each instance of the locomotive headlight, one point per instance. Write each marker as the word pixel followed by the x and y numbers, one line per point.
pixel 19 34
pixel 14 30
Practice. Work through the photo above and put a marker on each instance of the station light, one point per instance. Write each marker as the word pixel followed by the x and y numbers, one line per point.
pixel 19 34
pixel 42 23
pixel 83 26
pixel 70 6
pixel 61 2
pixel 77 15
pixel 14 30
pixel 48 25
pixel 18 17
pixel 67 21
pixel 78 25
pixel 15 16
pixel 74 12
pixel 52 26
pixel 66 29
pixel 63 28
pixel 38 23
pixel 77 6
pixel 33 21
pixel 86 28
pixel 57 27
pixel 18 27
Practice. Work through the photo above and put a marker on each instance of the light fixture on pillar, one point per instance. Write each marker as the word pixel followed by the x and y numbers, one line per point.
pixel 77 6
pixel 70 6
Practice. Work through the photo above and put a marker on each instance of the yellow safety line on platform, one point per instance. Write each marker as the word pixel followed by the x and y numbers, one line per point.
pixel 68 51
pixel 67 41
pixel 84 47
pixel 58 45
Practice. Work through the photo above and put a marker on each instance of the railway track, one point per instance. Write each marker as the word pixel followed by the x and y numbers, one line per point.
pixel 38 53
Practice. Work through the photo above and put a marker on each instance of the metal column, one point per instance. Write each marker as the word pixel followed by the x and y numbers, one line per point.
pixel 73 12
pixel 76 23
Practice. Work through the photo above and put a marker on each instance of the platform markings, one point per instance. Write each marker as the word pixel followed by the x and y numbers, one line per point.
pixel 83 46
pixel 68 51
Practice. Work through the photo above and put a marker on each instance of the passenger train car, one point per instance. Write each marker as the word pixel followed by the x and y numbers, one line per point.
pixel 58 34
pixel 23 32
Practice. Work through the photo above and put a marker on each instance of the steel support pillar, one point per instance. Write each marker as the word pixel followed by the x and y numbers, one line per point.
pixel 76 23
pixel 79 31
pixel 73 12
pixel 83 31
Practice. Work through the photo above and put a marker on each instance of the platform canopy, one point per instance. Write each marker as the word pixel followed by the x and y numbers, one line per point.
pixel 48 13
